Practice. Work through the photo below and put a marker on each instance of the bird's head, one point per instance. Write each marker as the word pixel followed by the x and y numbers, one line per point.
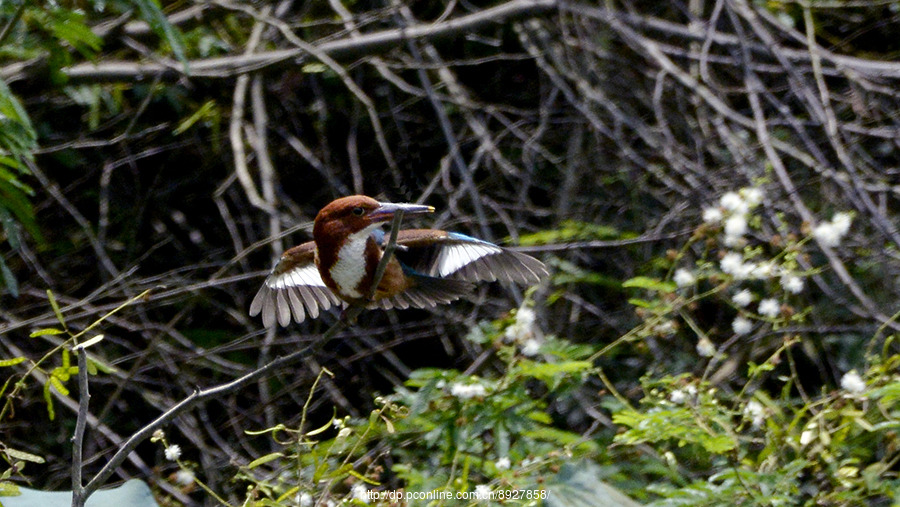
pixel 349 215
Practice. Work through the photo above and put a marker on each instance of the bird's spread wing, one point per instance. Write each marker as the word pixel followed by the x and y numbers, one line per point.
pixel 449 254
pixel 293 287
pixel 424 291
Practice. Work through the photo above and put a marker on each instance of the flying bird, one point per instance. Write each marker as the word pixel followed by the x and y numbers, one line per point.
pixel 429 267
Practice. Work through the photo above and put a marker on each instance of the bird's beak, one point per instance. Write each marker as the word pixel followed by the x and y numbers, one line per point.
pixel 386 210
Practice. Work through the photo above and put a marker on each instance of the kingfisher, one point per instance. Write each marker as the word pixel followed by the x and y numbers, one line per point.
pixel 429 267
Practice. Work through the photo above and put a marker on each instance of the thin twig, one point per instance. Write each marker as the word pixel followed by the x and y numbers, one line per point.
pixel 79 495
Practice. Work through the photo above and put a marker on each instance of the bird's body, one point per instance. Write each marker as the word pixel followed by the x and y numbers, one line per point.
pixel 429 267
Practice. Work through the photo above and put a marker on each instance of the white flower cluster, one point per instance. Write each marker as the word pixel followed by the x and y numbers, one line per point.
pixel 184 477
pixel 732 213
pixel 683 278
pixel 467 391
pixel 732 216
pixel 756 413
pixel 359 492
pixel 733 264
pixel 483 492
pixel 680 396
pixel 705 347
pixel 831 233
pixel 525 332
pixel 173 452
pixel 853 383
pixel 809 433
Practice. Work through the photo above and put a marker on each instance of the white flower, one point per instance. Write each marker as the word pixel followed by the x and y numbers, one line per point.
pixel 503 463
pixel 733 202
pixel 173 452
pixel 677 396
pixel 343 434
pixel 665 328
pixel 705 347
pixel 842 221
pixel 736 226
pixel 786 19
pixel 523 327
pixel 742 298
pixel 359 492
pixel 792 283
pixel 741 325
pixel 531 347
pixel 756 412
pixel 763 271
pixel 184 477
pixel 769 307
pixel 465 392
pixel 753 196
pixel 483 492
pixel 670 458
pixel 827 234
pixel 734 241
pixel 306 500
pixel 853 383
pixel 712 215
pixel 809 434
pixel 683 277
pixel 831 233
pixel 731 263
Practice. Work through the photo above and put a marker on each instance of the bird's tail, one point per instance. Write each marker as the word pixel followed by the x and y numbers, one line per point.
pixel 426 291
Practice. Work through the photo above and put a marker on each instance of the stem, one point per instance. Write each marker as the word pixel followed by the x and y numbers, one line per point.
pixel 386 255
pixel 79 492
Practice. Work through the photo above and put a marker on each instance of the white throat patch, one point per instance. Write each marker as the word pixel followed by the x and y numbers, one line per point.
pixel 350 267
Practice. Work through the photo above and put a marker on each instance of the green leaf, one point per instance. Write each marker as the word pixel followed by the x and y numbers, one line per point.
pixel 23 456
pixel 643 282
pixel 95 365
pixel 153 15
pixel 362 477
pixel 45 331
pixel 550 371
pixel 321 429
pixel 313 68
pixel 9 489
pixel 581 484
pixel 58 385
pixel 13 111
pixel 265 459
pixel 16 201
pixel 68 25
pixel 55 306
pixel 9 280
pixel 642 303
pixel 888 394
pixel 205 110
pixel 9 226
pixel 48 397
pixel 569 231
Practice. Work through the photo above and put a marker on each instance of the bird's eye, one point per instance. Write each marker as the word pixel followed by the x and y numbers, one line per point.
pixel 358 211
